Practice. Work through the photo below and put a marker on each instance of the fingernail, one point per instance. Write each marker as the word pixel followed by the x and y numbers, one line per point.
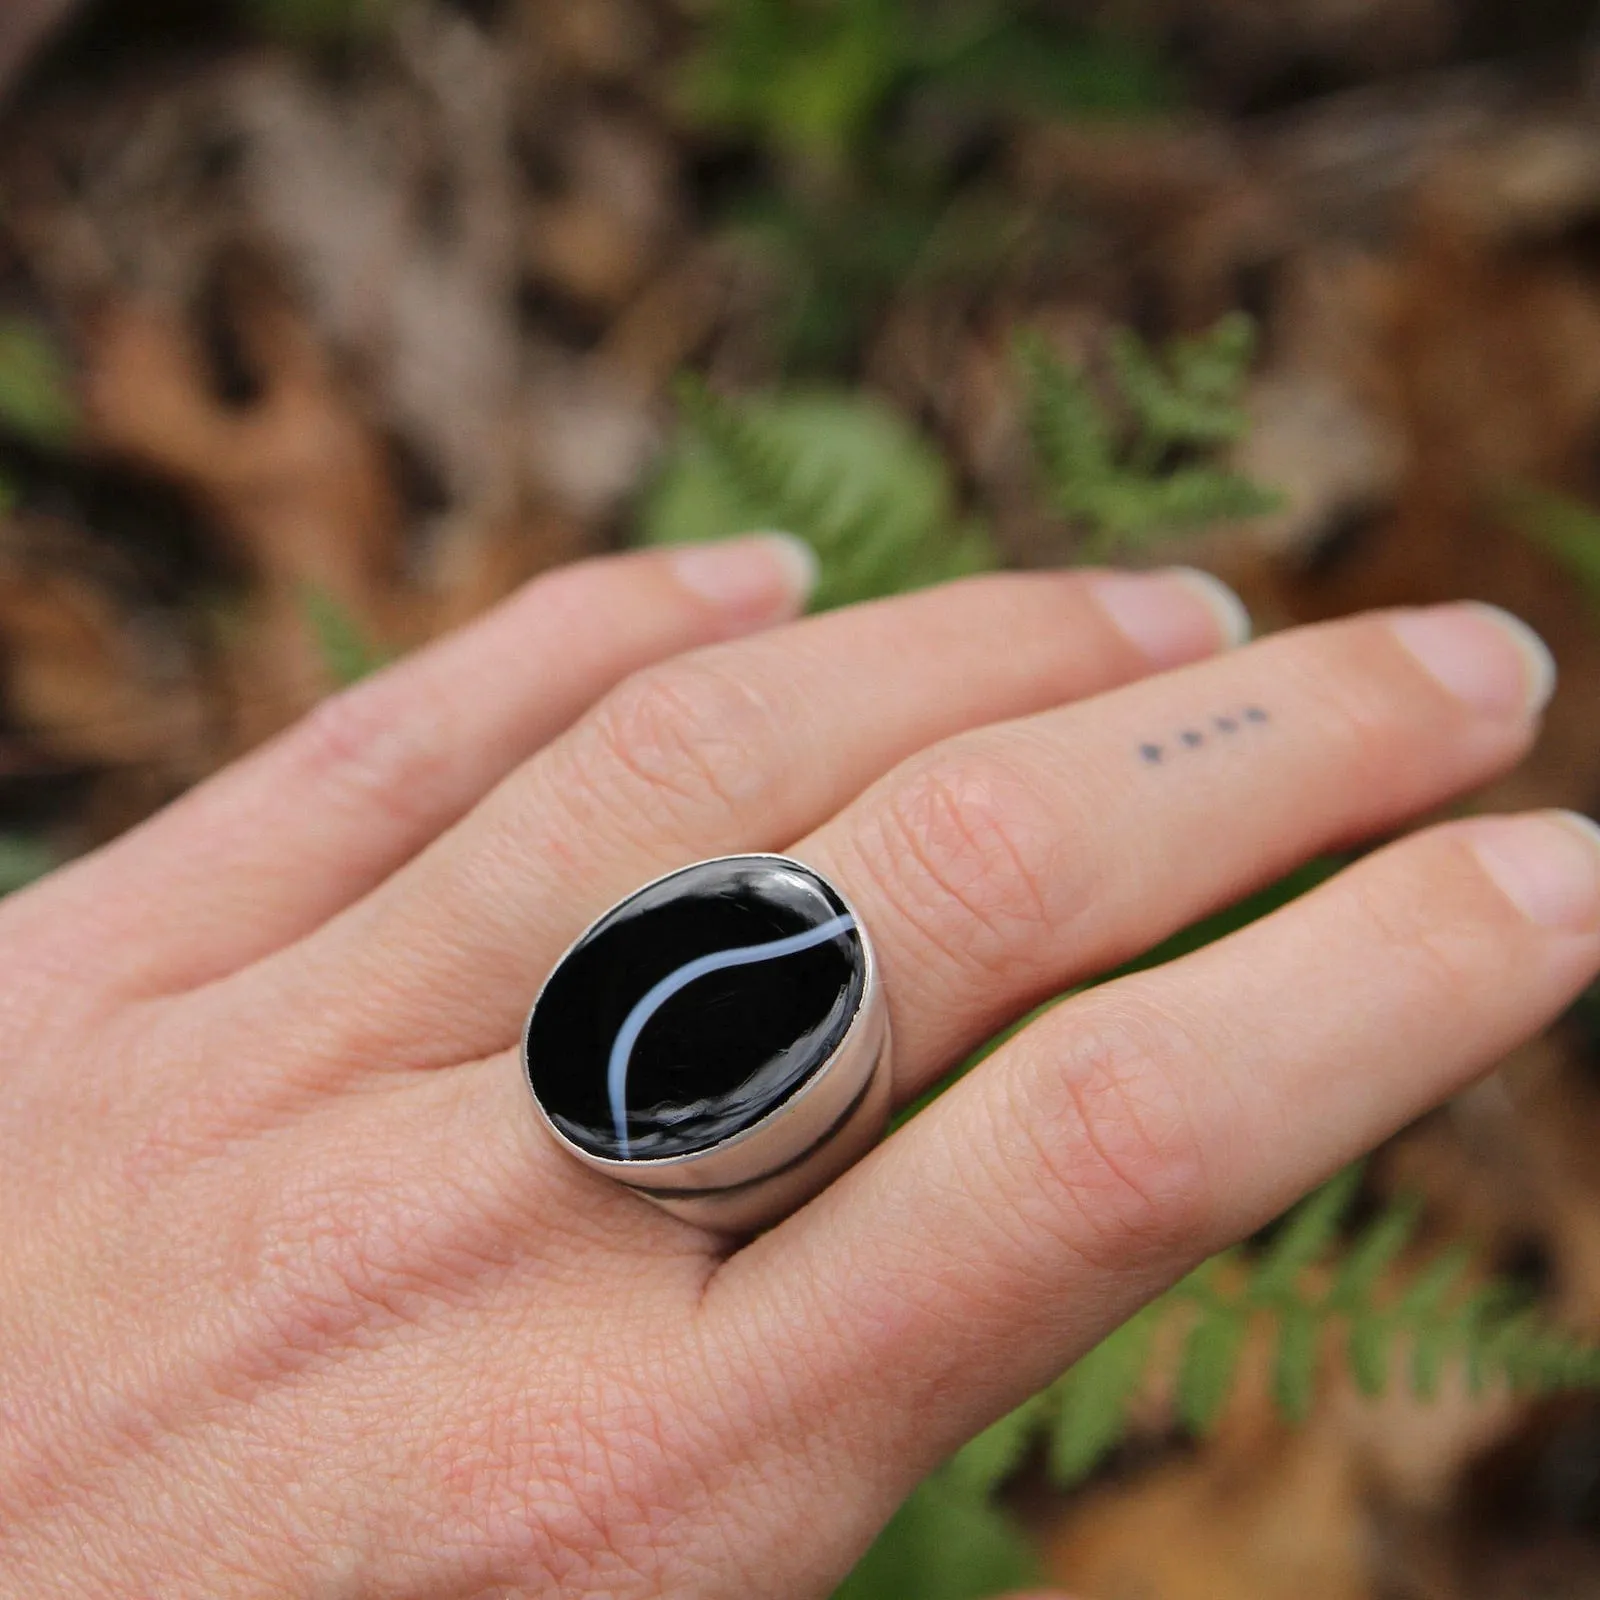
pixel 1548 865
pixel 1173 616
pixel 763 578
pixel 1484 656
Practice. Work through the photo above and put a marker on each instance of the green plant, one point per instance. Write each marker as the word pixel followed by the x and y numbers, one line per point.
pixel 1126 480
pixel 843 472
pixel 1565 527
pixel 804 80
pixel 1309 1290
pixel 858 121
pixel 318 22
pixel 808 81
pixel 347 654
pixel 949 1541
pixel 36 405
pixel 36 398
pixel 22 861
pixel 877 503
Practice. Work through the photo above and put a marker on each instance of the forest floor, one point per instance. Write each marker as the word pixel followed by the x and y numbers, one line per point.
pixel 369 329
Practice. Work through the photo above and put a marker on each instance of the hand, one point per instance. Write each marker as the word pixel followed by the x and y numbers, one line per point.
pixel 296 1299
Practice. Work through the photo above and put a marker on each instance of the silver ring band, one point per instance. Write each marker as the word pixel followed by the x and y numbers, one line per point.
pixel 717 1042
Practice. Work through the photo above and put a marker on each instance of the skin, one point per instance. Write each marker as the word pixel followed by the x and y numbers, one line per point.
pixel 299 1301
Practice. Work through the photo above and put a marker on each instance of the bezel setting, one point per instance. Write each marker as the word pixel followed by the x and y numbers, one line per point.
pixel 817 1126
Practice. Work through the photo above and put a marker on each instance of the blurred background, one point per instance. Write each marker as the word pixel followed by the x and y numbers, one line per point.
pixel 324 323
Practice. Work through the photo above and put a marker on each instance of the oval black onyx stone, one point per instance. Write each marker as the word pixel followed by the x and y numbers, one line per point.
pixel 694 1008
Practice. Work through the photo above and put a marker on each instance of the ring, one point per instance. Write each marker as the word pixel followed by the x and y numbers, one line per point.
pixel 718 1042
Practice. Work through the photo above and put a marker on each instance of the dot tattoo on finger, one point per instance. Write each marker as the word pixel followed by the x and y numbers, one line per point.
pixel 1154 753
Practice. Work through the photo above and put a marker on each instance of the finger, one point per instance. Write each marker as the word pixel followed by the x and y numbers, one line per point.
pixel 282 840
pixel 734 749
pixel 1127 1135
pixel 1012 862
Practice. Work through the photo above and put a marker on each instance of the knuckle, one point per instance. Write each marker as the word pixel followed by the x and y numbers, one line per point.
pixel 354 748
pixel 689 733
pixel 967 855
pixel 1114 1143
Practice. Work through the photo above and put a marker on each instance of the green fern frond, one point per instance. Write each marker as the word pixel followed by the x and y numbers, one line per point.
pixel 1304 1286
pixel 1071 432
pixel 1210 1358
pixel 984 1464
pixel 1191 393
pixel 1090 1404
pixel 1373 1253
pixel 347 653
pixel 1297 1362
pixel 1304 1239
pixel 945 1543
pixel 1126 481
pixel 1567 528
pixel 842 472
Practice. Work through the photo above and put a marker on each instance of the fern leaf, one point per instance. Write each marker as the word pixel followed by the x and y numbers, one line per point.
pixel 1487 1330
pixel 1117 483
pixel 1372 1255
pixel 1566 527
pixel 1430 1348
pixel 844 473
pixel 1307 1235
pixel 1192 404
pixel 1430 1289
pixel 1196 495
pixel 1537 1359
pixel 1208 1364
pixel 1091 1401
pixel 1295 1369
pixel 346 652
pixel 1069 427
pixel 1479 1315
pixel 1368 1351
pixel 983 1465
pixel 1213 367
pixel 943 1544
